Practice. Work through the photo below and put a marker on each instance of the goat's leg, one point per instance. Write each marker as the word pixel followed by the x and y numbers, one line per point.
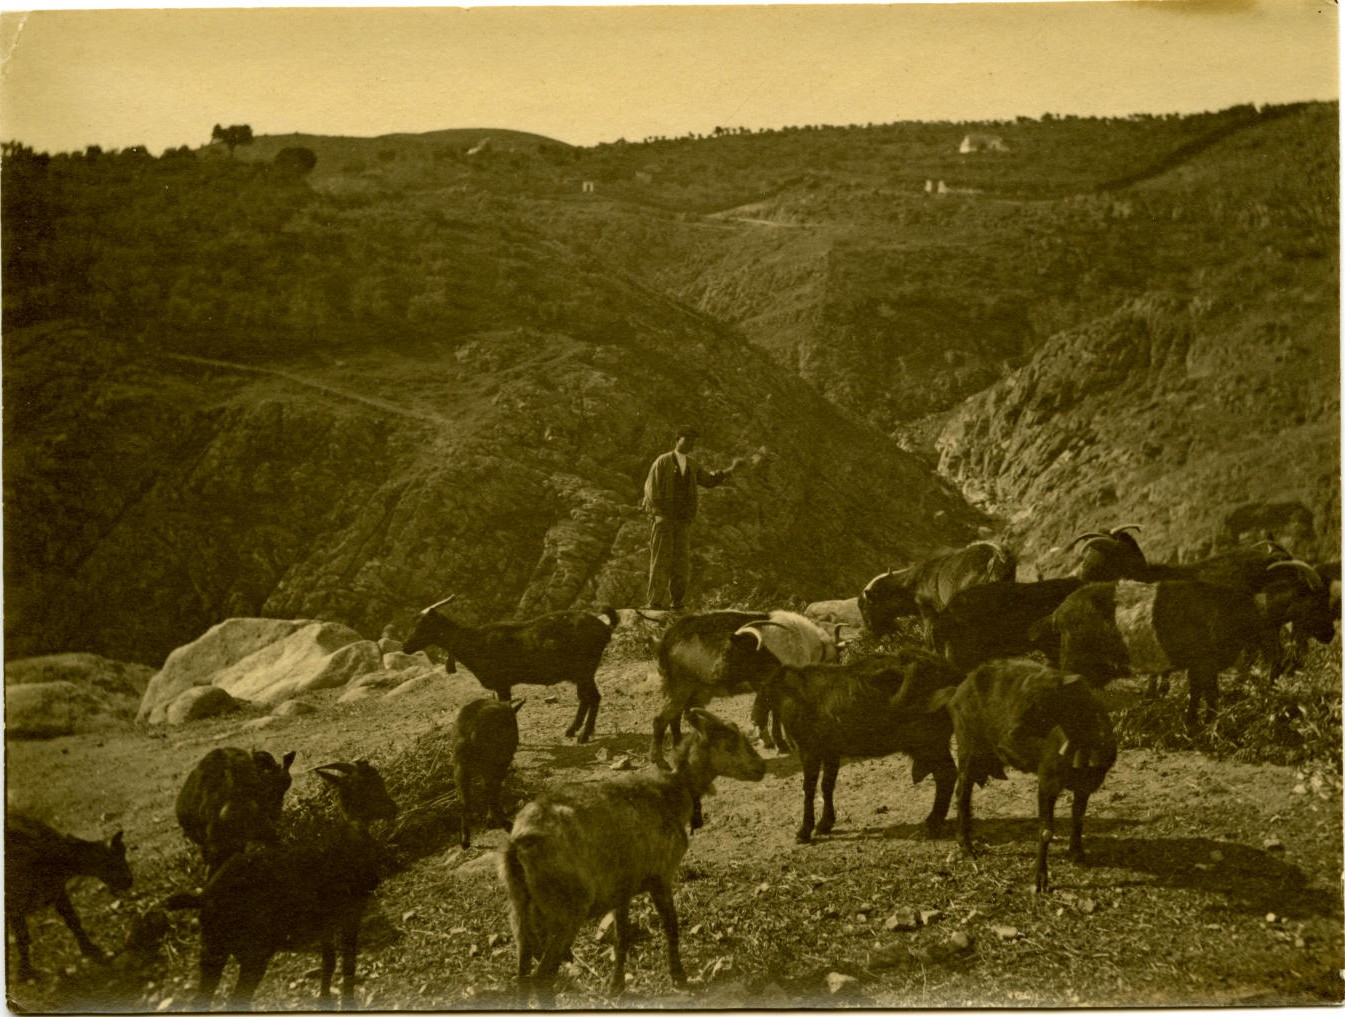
pixel 661 894
pixel 622 915
pixel 251 968
pixel 831 767
pixel 760 718
pixel 1078 807
pixel 350 946
pixel 463 782
pixel 945 780
pixel 22 943
pixel 670 713
pixel 1210 690
pixel 494 814
pixel 67 911
pixel 587 716
pixel 964 807
pixel 210 968
pixel 812 762
pixel 328 968
pixel 1047 793
pixel 557 948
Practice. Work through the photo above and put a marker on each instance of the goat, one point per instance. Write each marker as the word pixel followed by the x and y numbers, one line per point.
pixel 996 620
pixel 1107 557
pixel 1030 717
pixel 563 646
pixel 872 707
pixel 292 896
pixel 39 861
pixel 231 797
pixel 723 653
pixel 1106 629
pixel 925 587
pixel 580 851
pixel 484 737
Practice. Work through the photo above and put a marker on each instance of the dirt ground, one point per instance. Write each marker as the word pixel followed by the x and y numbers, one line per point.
pixel 1207 882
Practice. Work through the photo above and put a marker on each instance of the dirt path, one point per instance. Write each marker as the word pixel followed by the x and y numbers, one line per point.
pixel 307 382
pixel 1208 881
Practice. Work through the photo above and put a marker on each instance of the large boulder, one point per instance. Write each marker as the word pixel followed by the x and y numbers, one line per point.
pixel 70 693
pixel 263 661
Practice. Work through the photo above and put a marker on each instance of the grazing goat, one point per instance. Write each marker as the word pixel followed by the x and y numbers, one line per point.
pixel 1108 629
pixel 484 737
pixel 996 620
pixel 723 653
pixel 1030 717
pixel 926 587
pixel 39 861
pixel 294 896
pixel 232 797
pixel 872 707
pixel 563 646
pixel 582 850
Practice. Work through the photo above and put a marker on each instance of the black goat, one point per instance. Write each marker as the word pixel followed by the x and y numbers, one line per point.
pixel 294 896
pixel 702 657
pixel 39 861
pixel 1107 557
pixel 230 798
pixel 1024 715
pixel 996 620
pixel 484 737
pixel 926 587
pixel 563 646
pixel 875 706
pixel 582 850
pixel 1108 629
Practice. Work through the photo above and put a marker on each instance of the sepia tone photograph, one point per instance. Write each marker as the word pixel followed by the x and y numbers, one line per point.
pixel 725 507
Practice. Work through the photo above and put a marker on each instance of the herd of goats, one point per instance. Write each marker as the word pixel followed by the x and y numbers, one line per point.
pixel 580 851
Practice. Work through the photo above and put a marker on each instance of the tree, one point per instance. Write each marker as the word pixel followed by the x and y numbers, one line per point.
pixel 297 160
pixel 233 135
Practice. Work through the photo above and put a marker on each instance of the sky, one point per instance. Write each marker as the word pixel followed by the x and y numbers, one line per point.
pixel 587 74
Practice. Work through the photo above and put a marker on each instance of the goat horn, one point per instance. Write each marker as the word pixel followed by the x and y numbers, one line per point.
pixel 1314 580
pixel 338 767
pixel 1100 539
pixel 1271 544
pixel 438 603
pixel 1086 536
pixel 1126 526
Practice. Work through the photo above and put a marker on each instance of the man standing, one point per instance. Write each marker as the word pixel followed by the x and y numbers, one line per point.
pixel 670 496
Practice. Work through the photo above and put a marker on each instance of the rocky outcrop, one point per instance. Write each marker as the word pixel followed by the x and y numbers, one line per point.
pixel 261 661
pixel 1154 415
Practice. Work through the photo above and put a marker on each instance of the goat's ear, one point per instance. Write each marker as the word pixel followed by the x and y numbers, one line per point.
pixel 334 779
pixel 698 718
pixel 289 758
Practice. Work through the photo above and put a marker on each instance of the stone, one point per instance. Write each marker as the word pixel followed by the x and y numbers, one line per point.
pixel 294 708
pixel 199 703
pixel 839 984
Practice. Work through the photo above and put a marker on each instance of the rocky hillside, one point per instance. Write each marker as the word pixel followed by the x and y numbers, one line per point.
pixel 150 495
pixel 1205 411
pixel 231 389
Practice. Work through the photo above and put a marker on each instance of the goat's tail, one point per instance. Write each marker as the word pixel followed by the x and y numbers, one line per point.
pixel 183 900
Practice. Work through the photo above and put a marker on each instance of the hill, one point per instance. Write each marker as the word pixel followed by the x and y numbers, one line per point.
pixel 231 388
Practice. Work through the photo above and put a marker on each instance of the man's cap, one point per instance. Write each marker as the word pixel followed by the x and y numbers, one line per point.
pixel 688 431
